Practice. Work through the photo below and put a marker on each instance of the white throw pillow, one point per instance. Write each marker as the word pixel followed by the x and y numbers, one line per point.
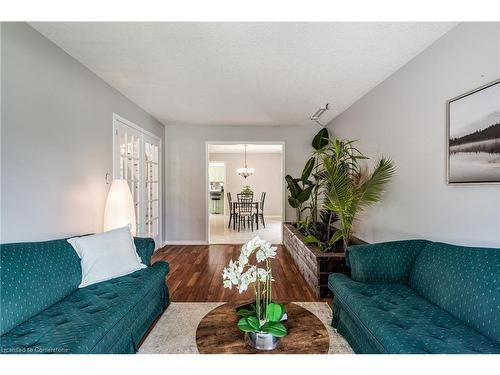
pixel 107 255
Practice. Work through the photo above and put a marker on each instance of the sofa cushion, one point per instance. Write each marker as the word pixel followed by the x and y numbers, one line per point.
pixel 107 255
pixel 385 262
pixel 397 320
pixel 34 276
pixel 94 318
pixel 465 281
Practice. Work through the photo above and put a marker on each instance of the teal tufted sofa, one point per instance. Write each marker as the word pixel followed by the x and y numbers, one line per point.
pixel 419 296
pixel 43 311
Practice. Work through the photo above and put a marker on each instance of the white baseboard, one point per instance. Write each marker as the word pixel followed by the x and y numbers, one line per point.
pixel 185 243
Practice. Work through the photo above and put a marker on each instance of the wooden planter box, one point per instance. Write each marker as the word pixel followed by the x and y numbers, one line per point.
pixel 314 265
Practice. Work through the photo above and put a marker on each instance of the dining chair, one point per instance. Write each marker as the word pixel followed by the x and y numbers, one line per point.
pixel 261 208
pixel 233 214
pixel 245 210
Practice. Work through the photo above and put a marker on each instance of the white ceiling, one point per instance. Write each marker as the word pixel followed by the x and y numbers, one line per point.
pixel 240 148
pixel 242 73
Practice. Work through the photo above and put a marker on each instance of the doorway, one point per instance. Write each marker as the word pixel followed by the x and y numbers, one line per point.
pixel 229 219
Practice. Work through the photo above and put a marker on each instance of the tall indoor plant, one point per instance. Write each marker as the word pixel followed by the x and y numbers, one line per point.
pixel 335 185
pixel 305 190
pixel 319 142
pixel 349 186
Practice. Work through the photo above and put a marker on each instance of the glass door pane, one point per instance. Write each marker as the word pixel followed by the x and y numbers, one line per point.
pixel 128 164
pixel 152 183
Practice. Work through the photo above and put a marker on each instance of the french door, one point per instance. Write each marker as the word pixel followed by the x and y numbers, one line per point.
pixel 137 159
pixel 151 198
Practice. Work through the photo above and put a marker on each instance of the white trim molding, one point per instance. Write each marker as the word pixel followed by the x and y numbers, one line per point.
pixel 283 158
pixel 123 120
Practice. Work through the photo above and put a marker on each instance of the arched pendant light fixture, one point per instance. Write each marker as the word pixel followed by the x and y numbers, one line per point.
pixel 245 172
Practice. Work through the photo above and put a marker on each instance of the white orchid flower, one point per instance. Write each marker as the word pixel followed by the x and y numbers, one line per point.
pixel 241 273
pixel 242 287
pixel 260 255
pixel 243 260
pixel 232 273
pixel 263 274
pixel 266 251
pixel 244 250
pixel 252 245
pixel 247 278
pixel 271 251
pixel 250 275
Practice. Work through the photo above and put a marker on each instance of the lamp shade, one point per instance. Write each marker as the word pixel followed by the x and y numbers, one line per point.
pixel 119 210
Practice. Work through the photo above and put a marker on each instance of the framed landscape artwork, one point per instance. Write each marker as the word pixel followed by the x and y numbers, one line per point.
pixel 473 142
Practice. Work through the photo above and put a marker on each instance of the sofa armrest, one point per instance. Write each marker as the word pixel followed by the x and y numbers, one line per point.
pixel 145 248
pixel 385 262
pixel 163 265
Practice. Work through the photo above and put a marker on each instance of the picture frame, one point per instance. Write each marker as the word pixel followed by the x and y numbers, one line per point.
pixel 473 136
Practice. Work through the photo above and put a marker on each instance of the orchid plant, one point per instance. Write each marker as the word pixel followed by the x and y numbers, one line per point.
pixel 263 316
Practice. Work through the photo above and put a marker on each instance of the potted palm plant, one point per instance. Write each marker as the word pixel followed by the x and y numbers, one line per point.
pixel 349 185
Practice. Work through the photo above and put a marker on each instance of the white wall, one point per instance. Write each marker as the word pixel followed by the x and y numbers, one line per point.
pixel 185 161
pixel 267 178
pixel 404 118
pixel 56 144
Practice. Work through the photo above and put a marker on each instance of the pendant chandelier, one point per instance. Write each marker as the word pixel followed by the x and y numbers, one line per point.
pixel 245 172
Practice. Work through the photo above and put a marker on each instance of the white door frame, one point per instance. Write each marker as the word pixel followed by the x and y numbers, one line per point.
pixel 118 118
pixel 207 182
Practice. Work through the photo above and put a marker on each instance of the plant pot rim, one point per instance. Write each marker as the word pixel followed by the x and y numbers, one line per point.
pixel 271 343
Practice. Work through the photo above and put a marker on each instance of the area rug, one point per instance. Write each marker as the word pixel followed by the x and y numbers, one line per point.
pixel 175 331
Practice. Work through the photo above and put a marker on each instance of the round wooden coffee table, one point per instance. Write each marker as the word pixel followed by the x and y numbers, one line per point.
pixel 218 333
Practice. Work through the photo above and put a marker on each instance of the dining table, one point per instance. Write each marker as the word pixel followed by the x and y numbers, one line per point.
pixel 235 209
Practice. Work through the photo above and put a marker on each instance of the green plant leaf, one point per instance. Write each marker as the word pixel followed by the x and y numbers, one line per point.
pixel 321 139
pixel 308 169
pixel 293 186
pixel 336 236
pixel 311 239
pixel 277 329
pixel 244 326
pixel 294 203
pixel 249 324
pixel 274 312
pixel 253 321
pixel 305 194
pixel 245 312
pixel 373 187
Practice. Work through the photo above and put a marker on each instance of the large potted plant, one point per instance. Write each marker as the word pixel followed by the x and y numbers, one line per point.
pixel 261 320
pixel 334 187
pixel 349 186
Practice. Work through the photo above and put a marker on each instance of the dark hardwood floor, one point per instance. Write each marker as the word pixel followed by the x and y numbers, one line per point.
pixel 196 275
